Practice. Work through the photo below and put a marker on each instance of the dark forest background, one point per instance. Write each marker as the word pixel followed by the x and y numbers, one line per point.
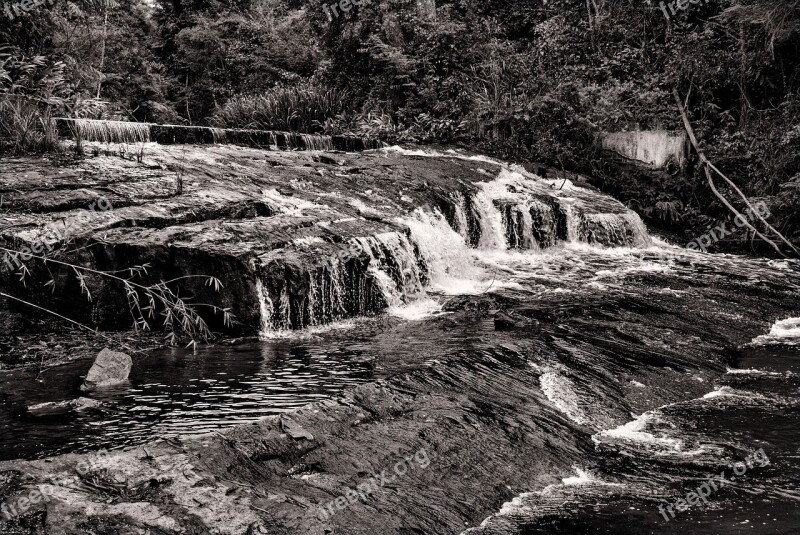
pixel 525 80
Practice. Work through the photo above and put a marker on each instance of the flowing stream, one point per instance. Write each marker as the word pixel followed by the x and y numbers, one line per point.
pixel 613 319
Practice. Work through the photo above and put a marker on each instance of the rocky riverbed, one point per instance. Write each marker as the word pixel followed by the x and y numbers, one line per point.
pixel 550 316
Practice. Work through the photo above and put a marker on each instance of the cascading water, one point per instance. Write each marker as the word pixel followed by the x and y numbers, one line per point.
pixel 265 307
pixel 316 142
pixel 489 216
pixel 620 229
pixel 516 211
pixel 450 263
pixel 395 265
pixel 460 214
pixel 572 222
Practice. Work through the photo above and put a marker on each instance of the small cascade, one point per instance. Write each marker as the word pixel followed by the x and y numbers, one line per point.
pixel 110 131
pixel 387 272
pixel 492 233
pixel 265 306
pixel 625 229
pixel 572 221
pixel 168 134
pixel 315 295
pixel 316 142
pixel 386 284
pixel 460 214
pixel 218 135
pixel 335 291
pixel 393 269
pixel 518 225
pixel 544 222
pixel 394 263
pixel 444 252
pixel 522 211
pixel 284 317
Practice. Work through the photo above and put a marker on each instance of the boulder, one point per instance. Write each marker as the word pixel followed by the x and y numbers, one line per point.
pixel 110 368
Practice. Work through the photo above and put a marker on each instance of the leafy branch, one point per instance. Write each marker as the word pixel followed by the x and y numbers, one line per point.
pixel 178 315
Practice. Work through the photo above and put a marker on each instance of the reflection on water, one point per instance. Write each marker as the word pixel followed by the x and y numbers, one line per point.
pixel 174 392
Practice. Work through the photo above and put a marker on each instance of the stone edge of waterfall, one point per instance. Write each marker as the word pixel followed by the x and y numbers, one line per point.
pixel 182 234
pixel 166 134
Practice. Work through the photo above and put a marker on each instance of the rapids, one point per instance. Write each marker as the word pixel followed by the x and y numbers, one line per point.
pixel 587 371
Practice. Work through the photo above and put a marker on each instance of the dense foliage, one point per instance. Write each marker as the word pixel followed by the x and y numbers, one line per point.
pixel 534 80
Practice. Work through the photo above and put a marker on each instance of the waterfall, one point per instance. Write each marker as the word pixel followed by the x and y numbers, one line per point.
pixel 655 147
pixel 219 135
pixel 394 269
pixel 572 221
pixel 315 142
pixel 265 306
pixel 518 226
pixel 284 311
pixel 544 224
pixel 528 241
pixel 448 259
pixel 395 265
pixel 616 229
pixel 489 216
pixel 460 214
pixel 110 131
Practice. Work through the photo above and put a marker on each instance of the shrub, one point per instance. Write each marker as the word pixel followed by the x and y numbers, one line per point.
pixel 300 108
pixel 32 91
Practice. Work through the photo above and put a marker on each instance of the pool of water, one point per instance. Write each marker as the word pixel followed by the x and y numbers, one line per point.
pixel 173 392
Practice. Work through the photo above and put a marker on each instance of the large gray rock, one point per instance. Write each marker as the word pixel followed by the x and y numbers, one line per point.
pixel 110 368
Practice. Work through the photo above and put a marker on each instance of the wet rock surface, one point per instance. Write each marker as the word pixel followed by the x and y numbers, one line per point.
pixel 477 409
pixel 502 392
pixel 51 408
pixel 279 229
pixel 110 368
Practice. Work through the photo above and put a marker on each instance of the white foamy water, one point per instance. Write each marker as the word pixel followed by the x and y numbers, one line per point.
pixel 739 397
pixel 450 153
pixel 750 371
pixel 634 432
pixel 308 332
pixel 460 205
pixel 782 332
pixel 265 307
pixel 444 250
pixel 492 233
pixel 720 392
pixel 561 392
pixel 417 310
pixel 585 477
pixel 289 205
pixel 528 503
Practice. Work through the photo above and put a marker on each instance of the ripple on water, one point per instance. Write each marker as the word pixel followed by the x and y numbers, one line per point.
pixel 175 392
